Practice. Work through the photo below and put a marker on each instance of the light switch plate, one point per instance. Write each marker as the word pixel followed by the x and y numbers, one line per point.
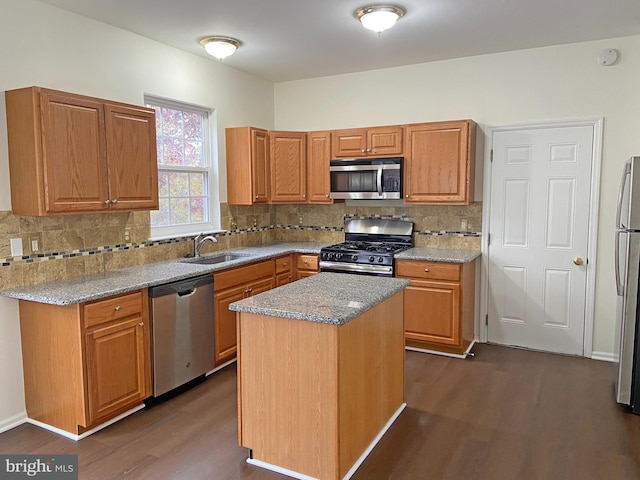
pixel 16 247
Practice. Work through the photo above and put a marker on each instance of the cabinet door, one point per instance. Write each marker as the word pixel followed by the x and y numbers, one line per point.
pixel 225 322
pixel 115 356
pixel 131 157
pixel 288 162
pixel 349 143
pixel 318 158
pixel 260 286
pixel 259 166
pixel 74 153
pixel 384 141
pixel 439 163
pixel 432 312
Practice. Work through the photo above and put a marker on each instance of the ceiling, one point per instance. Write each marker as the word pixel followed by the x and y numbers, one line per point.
pixel 296 39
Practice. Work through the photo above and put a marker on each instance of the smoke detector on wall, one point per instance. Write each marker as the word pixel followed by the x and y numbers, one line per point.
pixel 608 57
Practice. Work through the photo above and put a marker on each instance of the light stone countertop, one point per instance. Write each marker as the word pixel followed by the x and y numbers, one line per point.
pixel 332 298
pixel 439 255
pixel 93 287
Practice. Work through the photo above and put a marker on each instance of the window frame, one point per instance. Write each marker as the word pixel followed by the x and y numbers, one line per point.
pixel 211 158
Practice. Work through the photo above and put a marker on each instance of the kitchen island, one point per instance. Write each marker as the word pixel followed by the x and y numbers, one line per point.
pixel 320 372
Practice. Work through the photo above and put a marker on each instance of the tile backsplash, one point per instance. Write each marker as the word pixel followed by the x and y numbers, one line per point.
pixel 74 245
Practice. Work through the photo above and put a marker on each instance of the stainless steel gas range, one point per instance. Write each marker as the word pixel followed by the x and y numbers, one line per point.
pixel 369 247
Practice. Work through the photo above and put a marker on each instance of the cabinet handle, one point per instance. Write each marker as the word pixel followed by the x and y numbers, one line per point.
pixel 363 150
pixel 406 196
pixel 250 290
pixel 118 307
pixel 426 270
pixel 305 262
pixel 284 264
pixel 326 196
pixel 368 150
pixel 141 324
pixel 257 197
pixel 107 201
pixel 304 196
pixel 115 200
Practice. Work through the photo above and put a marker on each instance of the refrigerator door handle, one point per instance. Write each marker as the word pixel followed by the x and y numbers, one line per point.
pixel 616 263
pixel 625 173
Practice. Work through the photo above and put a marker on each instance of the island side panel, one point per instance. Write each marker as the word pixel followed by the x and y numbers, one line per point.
pixel 371 365
pixel 288 381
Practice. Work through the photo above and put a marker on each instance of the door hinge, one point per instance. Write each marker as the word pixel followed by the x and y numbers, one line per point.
pixel 486 319
pixel 491 156
pixel 488 239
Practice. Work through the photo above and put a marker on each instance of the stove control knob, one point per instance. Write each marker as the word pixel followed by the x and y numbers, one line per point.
pixel 380 259
pixel 371 259
pixel 354 258
pixel 338 256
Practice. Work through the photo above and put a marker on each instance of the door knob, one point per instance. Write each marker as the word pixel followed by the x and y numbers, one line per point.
pixel 578 261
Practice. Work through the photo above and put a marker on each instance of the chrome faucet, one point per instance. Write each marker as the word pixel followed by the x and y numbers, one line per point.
pixel 199 241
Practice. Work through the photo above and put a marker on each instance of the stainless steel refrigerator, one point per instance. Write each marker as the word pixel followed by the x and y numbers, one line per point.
pixel 627 272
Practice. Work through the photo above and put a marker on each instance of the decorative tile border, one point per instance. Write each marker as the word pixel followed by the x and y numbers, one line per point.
pixel 82 252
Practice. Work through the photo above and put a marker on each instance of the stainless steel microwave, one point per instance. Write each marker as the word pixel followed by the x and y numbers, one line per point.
pixel 366 178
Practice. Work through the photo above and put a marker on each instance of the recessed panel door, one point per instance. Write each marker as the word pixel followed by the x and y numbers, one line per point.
pixel 539 221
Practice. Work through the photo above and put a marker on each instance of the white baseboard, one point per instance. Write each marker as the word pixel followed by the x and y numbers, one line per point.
pixel 605 356
pixel 75 437
pixel 302 476
pixel 12 422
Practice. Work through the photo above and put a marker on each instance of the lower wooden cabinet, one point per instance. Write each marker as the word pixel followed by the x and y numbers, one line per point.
pixel 306 265
pixel 438 305
pixel 230 286
pixel 85 363
pixel 284 270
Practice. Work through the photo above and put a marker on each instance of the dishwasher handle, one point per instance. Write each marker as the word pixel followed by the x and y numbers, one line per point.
pixel 181 288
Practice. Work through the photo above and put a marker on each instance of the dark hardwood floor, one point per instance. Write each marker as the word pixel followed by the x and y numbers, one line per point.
pixel 505 414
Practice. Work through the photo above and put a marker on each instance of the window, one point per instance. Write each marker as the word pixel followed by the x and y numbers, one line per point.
pixel 185 170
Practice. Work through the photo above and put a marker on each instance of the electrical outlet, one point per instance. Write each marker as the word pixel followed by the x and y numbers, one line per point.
pixel 463 224
pixel 127 234
pixel 34 244
pixel 233 225
pixel 255 222
pixel 300 220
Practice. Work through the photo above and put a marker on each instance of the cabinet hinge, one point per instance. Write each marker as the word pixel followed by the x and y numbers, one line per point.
pixel 486 319
pixel 491 156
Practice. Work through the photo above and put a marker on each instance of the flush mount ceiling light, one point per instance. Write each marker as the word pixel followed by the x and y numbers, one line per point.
pixel 220 47
pixel 379 17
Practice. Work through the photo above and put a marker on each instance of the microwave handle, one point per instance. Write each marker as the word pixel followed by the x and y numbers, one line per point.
pixel 379 181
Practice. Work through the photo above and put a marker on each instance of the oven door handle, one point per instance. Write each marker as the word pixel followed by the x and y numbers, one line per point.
pixel 379 181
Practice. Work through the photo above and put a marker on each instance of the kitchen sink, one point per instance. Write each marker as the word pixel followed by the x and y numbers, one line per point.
pixel 213 259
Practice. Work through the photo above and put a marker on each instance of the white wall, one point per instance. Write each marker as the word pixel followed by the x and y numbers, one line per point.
pixel 563 82
pixel 48 47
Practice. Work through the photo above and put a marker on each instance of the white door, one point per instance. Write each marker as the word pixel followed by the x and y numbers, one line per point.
pixel 539 223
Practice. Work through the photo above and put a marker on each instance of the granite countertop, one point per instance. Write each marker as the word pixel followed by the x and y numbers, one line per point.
pixel 332 298
pixel 92 287
pixel 439 255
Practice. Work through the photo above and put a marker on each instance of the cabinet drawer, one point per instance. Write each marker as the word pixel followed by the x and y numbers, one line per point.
pixel 307 262
pixel 113 308
pixel 283 264
pixel 428 270
pixel 235 276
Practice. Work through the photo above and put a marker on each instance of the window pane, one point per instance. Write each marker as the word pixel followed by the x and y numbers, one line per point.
pixel 172 122
pixel 193 153
pixel 178 184
pixel 173 151
pixel 197 210
pixel 163 184
pixel 192 125
pixel 179 210
pixel 161 217
pixel 196 183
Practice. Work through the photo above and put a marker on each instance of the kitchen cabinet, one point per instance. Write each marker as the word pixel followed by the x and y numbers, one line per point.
pixel 71 154
pixel 367 142
pixel 440 163
pixel 288 165
pixel 229 286
pixel 438 305
pixel 85 363
pixel 318 158
pixel 306 265
pixel 284 270
pixel 248 174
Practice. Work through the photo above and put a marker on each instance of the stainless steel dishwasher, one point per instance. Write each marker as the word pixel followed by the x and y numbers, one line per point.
pixel 182 319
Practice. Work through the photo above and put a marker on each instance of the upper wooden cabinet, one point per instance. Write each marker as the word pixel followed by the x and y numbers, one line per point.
pixel 440 163
pixel 71 154
pixel 366 142
pixel 247 165
pixel 288 166
pixel 318 158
